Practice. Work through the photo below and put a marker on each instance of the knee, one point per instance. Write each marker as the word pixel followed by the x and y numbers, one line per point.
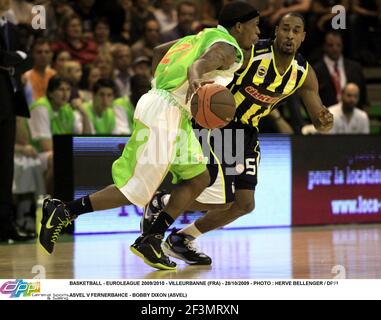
pixel 245 207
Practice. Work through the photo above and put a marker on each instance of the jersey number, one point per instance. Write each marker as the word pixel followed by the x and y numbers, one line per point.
pixel 251 168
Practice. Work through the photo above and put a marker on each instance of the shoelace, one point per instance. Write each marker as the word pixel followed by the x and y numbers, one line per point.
pixel 62 224
pixel 191 245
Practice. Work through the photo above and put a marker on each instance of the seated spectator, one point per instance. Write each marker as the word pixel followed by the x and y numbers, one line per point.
pixel 105 64
pixel 102 36
pixel 56 12
pixel 125 35
pixel 366 20
pixel 186 17
pixel 52 115
pixel 91 76
pixel 142 66
pixel 142 11
pixel 119 13
pixel 334 71
pixel 36 80
pixel 86 11
pixel 348 118
pixel 82 50
pixel 298 6
pixel 104 117
pixel 209 12
pixel 151 38
pixel 59 59
pixel 319 22
pixel 121 54
pixel 72 71
pixel 166 15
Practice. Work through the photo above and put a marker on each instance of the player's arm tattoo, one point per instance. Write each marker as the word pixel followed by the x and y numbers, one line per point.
pixel 319 114
pixel 220 55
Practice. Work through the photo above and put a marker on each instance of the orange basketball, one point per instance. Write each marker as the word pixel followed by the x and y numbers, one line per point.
pixel 213 106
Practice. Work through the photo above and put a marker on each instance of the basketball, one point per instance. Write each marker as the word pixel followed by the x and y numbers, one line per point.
pixel 213 106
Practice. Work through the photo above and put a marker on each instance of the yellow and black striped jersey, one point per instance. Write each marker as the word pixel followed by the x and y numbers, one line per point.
pixel 259 87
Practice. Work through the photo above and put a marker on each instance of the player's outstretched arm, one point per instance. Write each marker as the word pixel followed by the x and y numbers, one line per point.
pixel 219 56
pixel 159 52
pixel 320 116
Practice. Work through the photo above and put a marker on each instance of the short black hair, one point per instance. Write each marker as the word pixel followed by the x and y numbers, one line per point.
pixel 236 11
pixel 335 33
pixel 40 41
pixel 55 82
pixel 184 3
pixel 294 14
pixel 104 83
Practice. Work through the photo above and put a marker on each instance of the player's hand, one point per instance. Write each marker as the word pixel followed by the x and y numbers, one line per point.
pixel 77 104
pixel 194 85
pixel 324 121
pixel 29 151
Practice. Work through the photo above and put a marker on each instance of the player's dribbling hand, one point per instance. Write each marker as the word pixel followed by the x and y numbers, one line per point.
pixel 324 122
pixel 194 84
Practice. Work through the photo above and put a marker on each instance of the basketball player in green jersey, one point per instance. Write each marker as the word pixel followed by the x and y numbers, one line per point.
pixel 273 70
pixel 162 118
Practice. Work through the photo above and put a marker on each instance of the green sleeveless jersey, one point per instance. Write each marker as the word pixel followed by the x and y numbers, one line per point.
pixel 62 121
pixel 105 124
pixel 171 72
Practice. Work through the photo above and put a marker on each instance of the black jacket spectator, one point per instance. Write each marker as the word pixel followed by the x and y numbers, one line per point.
pixel 327 90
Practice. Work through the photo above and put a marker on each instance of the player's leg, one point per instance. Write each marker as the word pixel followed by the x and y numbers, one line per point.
pixel 217 196
pixel 176 244
pixel 187 165
pixel 243 204
pixel 181 244
pixel 189 168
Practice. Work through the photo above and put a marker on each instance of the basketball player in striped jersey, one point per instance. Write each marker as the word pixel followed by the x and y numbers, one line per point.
pixel 272 71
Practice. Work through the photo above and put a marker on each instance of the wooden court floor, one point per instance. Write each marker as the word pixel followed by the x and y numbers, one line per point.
pixel 350 251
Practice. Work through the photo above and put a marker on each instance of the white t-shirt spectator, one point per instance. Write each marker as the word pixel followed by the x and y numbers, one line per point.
pixel 358 123
pixel 40 124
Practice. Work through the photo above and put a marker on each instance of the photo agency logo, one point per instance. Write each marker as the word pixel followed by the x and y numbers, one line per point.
pixel 18 288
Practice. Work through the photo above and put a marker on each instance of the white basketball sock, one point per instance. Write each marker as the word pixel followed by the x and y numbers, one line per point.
pixel 191 230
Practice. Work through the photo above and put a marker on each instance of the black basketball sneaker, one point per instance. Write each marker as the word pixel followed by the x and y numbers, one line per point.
pixel 55 217
pixel 148 247
pixel 183 247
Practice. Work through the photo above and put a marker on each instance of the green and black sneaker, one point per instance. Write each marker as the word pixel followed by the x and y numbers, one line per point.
pixel 55 217
pixel 149 249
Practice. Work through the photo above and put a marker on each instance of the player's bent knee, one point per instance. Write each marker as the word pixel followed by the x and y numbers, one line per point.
pixel 246 207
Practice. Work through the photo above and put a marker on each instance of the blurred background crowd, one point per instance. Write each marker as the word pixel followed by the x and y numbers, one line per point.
pixel 92 63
